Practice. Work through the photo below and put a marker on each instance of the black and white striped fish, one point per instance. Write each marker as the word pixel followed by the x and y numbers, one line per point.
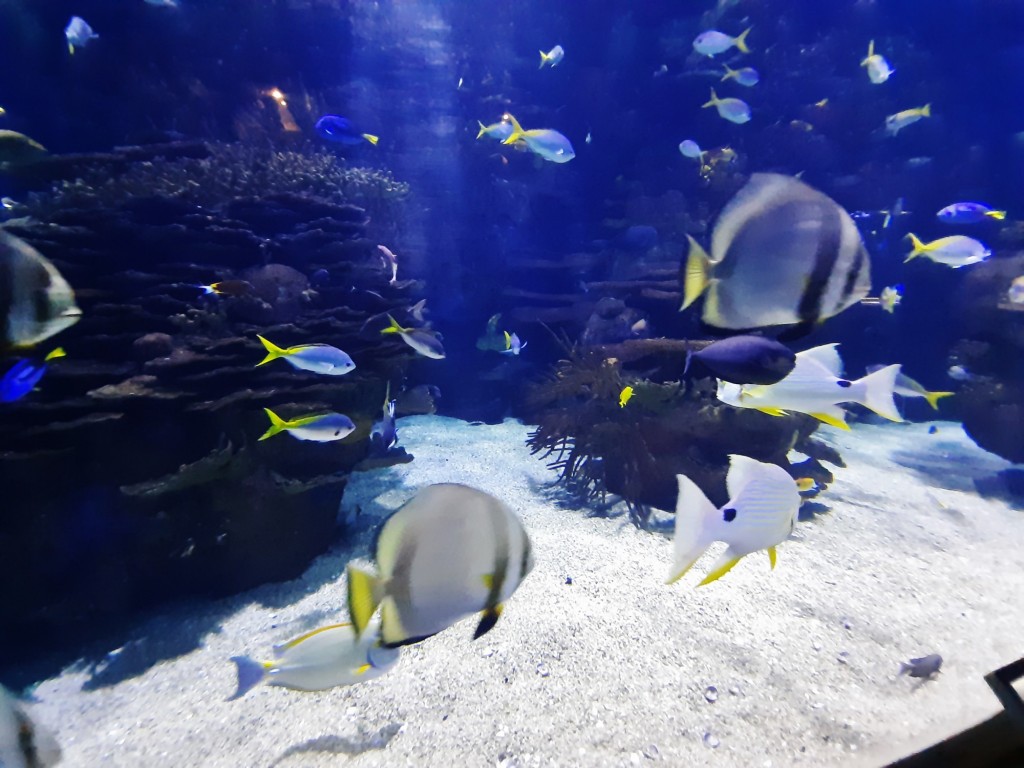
pixel 35 300
pixel 23 742
pixel 782 253
pixel 449 552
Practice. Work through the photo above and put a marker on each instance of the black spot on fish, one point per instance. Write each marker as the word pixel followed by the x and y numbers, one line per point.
pixel 729 515
pixel 843 383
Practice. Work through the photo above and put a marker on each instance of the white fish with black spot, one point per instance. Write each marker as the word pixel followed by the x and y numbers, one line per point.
pixel 760 514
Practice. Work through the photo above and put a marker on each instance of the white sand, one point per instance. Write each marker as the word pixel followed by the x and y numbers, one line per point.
pixel 612 669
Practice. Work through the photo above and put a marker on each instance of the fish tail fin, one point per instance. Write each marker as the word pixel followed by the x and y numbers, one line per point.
pixel 487 621
pixel 722 566
pixel 729 73
pixel 365 592
pixel 693 510
pixel 741 40
pixel 712 102
pixel 71 49
pixel 689 359
pixel 371 138
pixel 250 674
pixel 483 129
pixel 876 392
pixel 517 130
pixel 695 279
pixel 273 351
pixel 934 397
pixel 904 668
pixel 277 424
pixel 394 327
pixel 871 52
pixel 997 215
pixel 543 59
pixel 58 352
pixel 918 246
pixel 926 110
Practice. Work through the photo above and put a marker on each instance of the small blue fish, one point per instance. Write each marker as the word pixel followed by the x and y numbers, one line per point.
pixel 713 42
pixel 969 213
pixel 746 76
pixel 23 376
pixel 78 33
pixel 925 667
pixel 341 131
pixel 732 109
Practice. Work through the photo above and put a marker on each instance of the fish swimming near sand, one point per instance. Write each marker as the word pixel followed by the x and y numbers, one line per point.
pixel 317 358
pixel 923 667
pixel 760 514
pixel 782 253
pixel 745 360
pixel 36 302
pixel 325 658
pixel 23 742
pixel 449 552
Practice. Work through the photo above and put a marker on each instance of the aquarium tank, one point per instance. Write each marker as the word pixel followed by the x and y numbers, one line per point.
pixel 472 383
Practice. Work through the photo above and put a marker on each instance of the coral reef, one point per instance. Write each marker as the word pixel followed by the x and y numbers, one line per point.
pixel 669 426
pixel 136 465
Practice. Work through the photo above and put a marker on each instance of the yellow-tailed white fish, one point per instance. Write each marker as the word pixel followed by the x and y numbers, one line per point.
pixel 545 142
pixel 553 57
pixel 318 358
pixel 424 341
pixel 319 428
pixel 954 251
pixel 315 661
pixel 878 68
pixel 896 123
pixel 713 42
pixel 760 514
pixel 734 110
pixel 449 552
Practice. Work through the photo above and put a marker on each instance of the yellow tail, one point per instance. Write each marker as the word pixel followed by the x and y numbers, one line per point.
pixel 517 130
pixel 483 129
pixel 729 73
pixel 741 41
pixel 371 138
pixel 273 351
pixel 277 424
pixel 871 52
pixel 696 276
pixel 364 595
pixel 58 352
pixel 926 110
pixel 713 102
pixel 919 247
pixel 997 215
pixel 543 58
pixel 394 327
pixel 934 397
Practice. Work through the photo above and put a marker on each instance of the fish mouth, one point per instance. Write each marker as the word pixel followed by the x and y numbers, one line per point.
pixel 72 313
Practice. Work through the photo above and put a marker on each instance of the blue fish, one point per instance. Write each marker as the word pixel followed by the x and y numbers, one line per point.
pixel 23 377
pixel 341 131
pixel 968 213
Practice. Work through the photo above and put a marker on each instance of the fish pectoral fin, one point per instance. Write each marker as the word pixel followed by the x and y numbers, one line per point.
pixel 721 568
pixel 772 556
pixel 832 421
pixel 363 669
pixel 772 411
pixel 487 621
pixel 695 273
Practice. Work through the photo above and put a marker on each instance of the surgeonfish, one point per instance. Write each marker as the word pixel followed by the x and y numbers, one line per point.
pixel 547 143
pixel 625 396
pixel 969 213
pixel 78 33
pixel 36 302
pixel 1015 293
pixel 340 130
pixel 18 149
pixel 317 358
pixel 815 387
pixel 318 428
pixel 878 68
pixel 315 661
pixel 713 42
pixel 23 742
pixel 23 376
pixel 745 360
pixel 732 109
pixel 390 263
pixel 781 253
pixel 423 341
pixel 896 123
pixel 500 130
pixel 553 57
pixel 954 251
pixel 760 514
pixel 745 76
pixel 908 387
pixel 925 666
pixel 513 346
pixel 449 552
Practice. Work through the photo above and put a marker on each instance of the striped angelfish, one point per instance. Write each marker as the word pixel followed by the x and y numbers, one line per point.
pixel 35 300
pixel 782 253
pixel 449 552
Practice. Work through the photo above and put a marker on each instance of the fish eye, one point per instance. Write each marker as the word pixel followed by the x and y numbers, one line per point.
pixel 843 383
pixel 729 515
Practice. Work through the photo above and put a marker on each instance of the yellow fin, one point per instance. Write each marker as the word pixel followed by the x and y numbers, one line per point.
pixel 772 411
pixel 918 246
pixel 713 101
pixel 304 637
pixel 720 570
pixel 483 129
pixel 277 424
pixel 729 72
pixel 772 556
pixel 488 620
pixel 934 397
pixel 695 281
pixel 543 58
pixel 926 110
pixel 488 580
pixel 363 669
pixel 997 215
pixel 364 595
pixel 371 138
pixel 740 41
pixel 871 52
pixel 394 327
pixel 832 421
pixel 273 351
pixel 517 130
pixel 58 352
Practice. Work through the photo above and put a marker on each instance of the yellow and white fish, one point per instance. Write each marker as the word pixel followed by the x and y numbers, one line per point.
pixel 760 514
pixel 318 358
pixel 954 251
pixel 319 428
pixel 315 661
pixel 424 341
pixel 449 552
pixel 732 109
pixel 815 387
pixel 878 68
pixel 896 123
pixel 553 57
pixel 545 142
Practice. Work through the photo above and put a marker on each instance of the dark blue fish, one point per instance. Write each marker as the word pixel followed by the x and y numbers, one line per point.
pixel 341 131
pixel 746 360
pixel 23 376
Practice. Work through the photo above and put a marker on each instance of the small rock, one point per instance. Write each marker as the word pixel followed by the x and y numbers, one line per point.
pixel 542 669
pixel 710 740
pixel 651 752
pixel 735 690
pixel 843 657
pixel 487 652
pixel 634 759
pixel 816 646
pixel 568 580
pixel 711 693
